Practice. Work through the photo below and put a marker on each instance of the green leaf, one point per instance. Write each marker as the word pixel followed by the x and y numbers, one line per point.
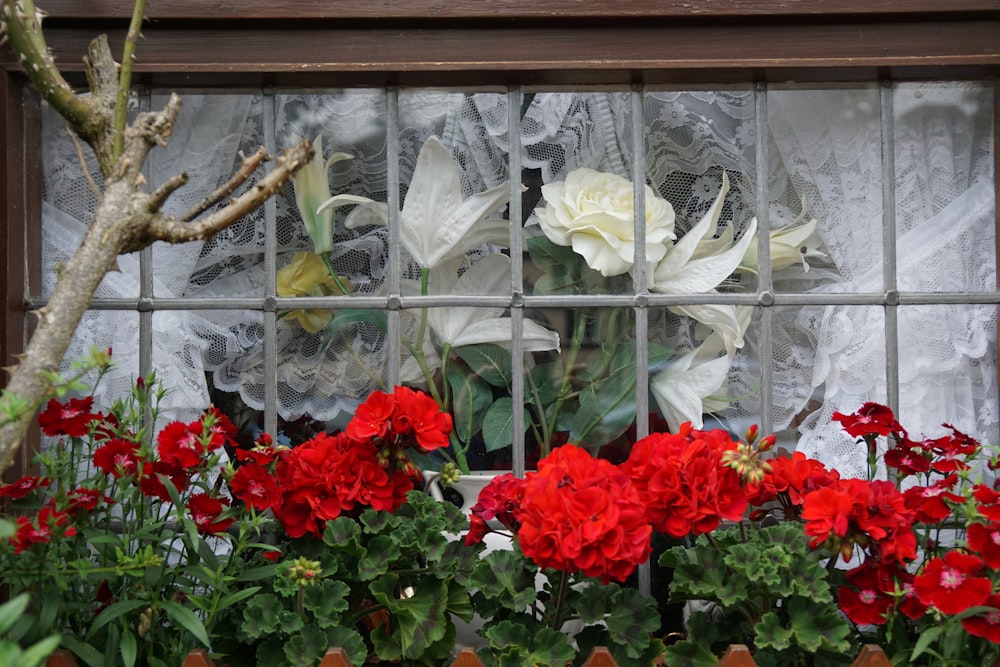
pixel 605 411
pixel 498 425
pixel 11 610
pixel 236 596
pixel 471 398
pixel 927 637
pixel 186 619
pixel 345 317
pixel 490 362
pixel 633 619
pixel 114 611
pixel 505 576
pixel 83 650
pixel 307 647
pixel 326 601
pixel 419 620
pixel 257 573
pixel 128 648
pixel 350 640
pixel 37 653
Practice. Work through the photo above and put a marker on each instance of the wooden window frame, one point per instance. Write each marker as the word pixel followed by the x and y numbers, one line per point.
pixel 204 43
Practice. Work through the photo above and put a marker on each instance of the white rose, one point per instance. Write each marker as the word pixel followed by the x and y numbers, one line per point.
pixel 593 212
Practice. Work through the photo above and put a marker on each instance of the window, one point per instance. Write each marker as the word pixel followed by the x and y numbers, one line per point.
pixel 891 149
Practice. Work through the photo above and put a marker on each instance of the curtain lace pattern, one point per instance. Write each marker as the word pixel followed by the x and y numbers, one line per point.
pixel 823 150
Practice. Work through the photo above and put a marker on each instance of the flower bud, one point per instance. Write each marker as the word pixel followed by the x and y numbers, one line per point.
pixel 751 434
pixel 304 572
pixel 767 443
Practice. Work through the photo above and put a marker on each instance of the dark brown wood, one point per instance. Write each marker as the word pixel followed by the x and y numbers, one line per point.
pixel 505 9
pixel 589 54
pixel 20 232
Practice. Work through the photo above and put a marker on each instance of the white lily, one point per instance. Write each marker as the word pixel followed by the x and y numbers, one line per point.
pixel 692 383
pixel 312 188
pixel 790 245
pixel 436 224
pixel 697 264
pixel 472 325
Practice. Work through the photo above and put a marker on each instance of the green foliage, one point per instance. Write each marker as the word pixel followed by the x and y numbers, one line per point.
pixel 770 590
pixel 392 578
pixel 524 624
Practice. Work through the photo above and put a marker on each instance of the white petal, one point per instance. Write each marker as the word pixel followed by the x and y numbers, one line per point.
pixel 443 237
pixel 684 249
pixel 679 390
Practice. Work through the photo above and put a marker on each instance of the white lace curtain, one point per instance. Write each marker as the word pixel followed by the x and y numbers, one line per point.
pixel 823 145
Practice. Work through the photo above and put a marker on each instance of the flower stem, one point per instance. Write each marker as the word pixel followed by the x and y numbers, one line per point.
pixel 579 329
pixel 555 623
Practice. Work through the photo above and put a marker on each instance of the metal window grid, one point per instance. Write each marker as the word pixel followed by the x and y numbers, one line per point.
pixel 764 298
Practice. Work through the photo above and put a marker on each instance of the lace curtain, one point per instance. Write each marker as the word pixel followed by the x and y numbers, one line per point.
pixel 823 149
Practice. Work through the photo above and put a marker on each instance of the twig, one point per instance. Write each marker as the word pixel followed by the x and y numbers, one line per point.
pixel 125 77
pixel 173 230
pixel 249 165
pixel 83 162
pixel 157 199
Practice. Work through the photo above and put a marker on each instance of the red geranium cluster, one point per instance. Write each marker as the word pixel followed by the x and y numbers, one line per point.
pixel 577 513
pixel 683 483
pixel 366 465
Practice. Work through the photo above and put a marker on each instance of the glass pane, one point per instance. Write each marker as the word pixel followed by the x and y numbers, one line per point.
pixel 945 204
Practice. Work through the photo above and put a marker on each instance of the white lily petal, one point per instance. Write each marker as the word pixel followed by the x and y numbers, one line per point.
pixel 311 187
pixel 440 240
pixel 346 200
pixel 685 248
pixel 680 388
pixel 728 322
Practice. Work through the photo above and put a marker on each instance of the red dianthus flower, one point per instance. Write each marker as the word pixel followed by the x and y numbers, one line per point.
pixel 952 584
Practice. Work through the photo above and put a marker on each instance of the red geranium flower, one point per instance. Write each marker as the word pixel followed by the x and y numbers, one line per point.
pixel 682 482
pixel 256 487
pixel 872 419
pixel 372 418
pixel 985 625
pixel 23 487
pixel 420 414
pixel 500 500
pixel 118 457
pixel 952 584
pixel 205 511
pixel 71 418
pixel 582 513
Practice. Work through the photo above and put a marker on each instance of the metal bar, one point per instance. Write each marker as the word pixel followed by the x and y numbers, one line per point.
pixel 517 452
pixel 270 280
pixel 145 273
pixel 640 287
pixel 889 247
pixel 764 287
pixel 393 328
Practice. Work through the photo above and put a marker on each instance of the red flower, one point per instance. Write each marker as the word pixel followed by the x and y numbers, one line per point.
pixel 872 419
pixel 256 487
pixel 790 479
pixel 682 482
pixel 582 513
pixel 500 500
pixel 151 484
pixel 418 411
pixel 84 499
pixel 854 512
pixel 931 502
pixel 864 601
pixel 985 625
pixel 272 556
pixel 48 524
pixel 989 501
pixel 985 541
pixel 118 457
pixel 951 584
pixel 23 487
pixel 908 458
pixel 372 418
pixel 71 418
pixel 205 511
pixel 181 444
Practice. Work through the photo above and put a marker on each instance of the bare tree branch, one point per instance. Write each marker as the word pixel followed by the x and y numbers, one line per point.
pixel 126 217
pixel 249 165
